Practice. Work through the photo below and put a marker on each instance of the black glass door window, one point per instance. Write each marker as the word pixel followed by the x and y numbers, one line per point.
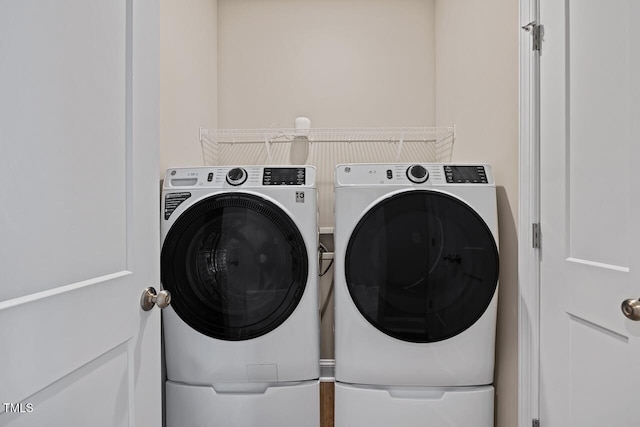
pixel 422 266
pixel 236 266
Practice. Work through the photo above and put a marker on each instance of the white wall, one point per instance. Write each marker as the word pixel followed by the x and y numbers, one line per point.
pixel 342 63
pixel 477 90
pixel 188 78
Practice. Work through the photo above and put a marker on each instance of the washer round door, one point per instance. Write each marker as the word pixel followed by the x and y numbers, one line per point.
pixel 236 266
pixel 421 266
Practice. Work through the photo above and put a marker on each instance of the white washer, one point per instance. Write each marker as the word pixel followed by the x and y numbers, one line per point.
pixel 416 265
pixel 239 257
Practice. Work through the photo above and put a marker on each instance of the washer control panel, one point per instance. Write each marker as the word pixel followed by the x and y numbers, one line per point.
pixel 240 177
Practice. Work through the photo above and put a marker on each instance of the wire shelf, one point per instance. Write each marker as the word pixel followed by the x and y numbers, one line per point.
pixel 273 146
pixel 326 149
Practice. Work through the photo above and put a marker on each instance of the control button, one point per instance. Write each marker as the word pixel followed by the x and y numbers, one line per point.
pixel 210 177
pixel 389 174
pixel 236 176
pixel 417 174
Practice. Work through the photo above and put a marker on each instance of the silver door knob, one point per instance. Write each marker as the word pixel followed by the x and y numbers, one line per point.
pixel 150 298
pixel 631 308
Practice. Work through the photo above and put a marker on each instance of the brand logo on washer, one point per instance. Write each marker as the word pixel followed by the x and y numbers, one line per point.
pixel 299 196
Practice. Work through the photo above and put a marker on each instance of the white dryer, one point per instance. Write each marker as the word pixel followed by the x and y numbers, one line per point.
pixel 415 294
pixel 239 256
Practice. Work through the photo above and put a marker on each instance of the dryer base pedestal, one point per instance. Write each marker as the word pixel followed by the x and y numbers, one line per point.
pixel 282 405
pixel 383 406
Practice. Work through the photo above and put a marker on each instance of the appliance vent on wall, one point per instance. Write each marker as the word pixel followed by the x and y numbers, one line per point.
pixel 327 148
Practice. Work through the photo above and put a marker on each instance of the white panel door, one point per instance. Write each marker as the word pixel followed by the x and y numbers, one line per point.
pixel 79 218
pixel 590 205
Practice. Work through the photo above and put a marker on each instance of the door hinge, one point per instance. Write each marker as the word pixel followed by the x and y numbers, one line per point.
pixel 535 422
pixel 537 31
pixel 535 235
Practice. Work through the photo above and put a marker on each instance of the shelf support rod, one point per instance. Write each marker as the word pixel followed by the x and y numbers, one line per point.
pixel 400 145
pixel 268 148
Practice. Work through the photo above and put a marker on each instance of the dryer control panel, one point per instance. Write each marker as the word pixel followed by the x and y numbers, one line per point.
pixel 417 174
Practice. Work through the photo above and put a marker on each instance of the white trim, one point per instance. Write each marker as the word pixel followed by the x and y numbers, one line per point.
pixel 529 203
pixel 4 305
pixel 599 264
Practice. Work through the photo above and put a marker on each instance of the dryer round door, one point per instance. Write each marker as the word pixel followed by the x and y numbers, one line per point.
pixel 236 266
pixel 421 266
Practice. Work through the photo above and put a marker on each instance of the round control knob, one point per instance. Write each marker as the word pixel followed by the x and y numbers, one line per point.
pixel 417 174
pixel 236 176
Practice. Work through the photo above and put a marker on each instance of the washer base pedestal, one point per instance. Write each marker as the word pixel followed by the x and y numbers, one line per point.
pixel 282 405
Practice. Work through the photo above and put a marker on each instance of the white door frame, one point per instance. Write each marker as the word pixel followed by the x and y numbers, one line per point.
pixel 528 208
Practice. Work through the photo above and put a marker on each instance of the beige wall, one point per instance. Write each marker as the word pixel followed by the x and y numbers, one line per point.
pixel 188 82
pixel 348 63
pixel 477 90
pixel 342 63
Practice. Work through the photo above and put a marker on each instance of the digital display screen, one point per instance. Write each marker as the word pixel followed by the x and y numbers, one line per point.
pixel 283 176
pixel 465 174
